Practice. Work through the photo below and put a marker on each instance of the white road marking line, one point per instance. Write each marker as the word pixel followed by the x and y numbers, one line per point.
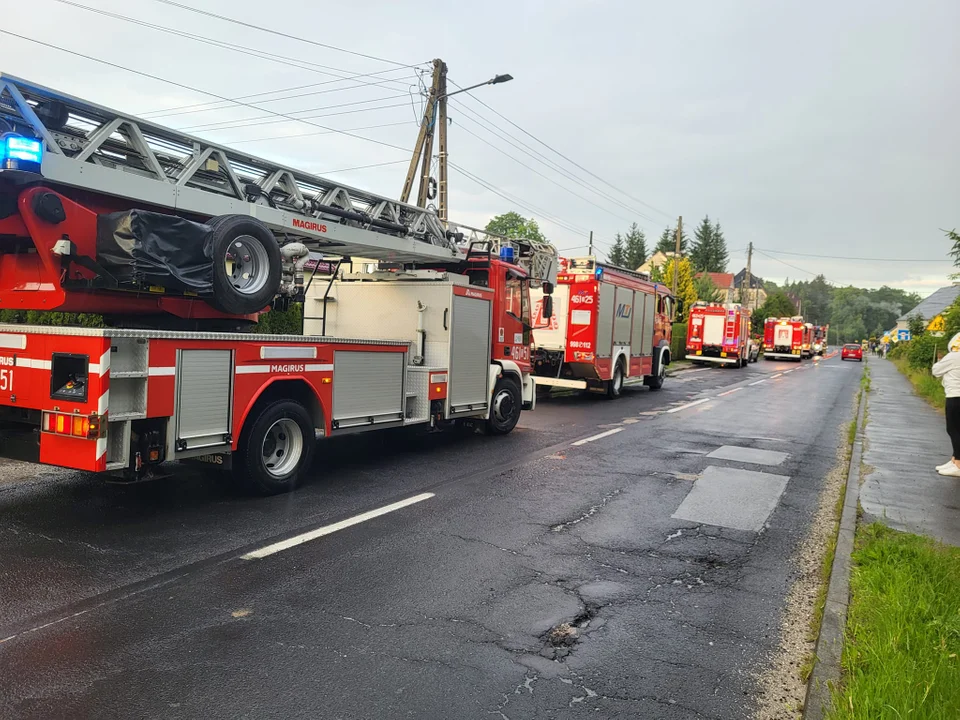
pixel 688 405
pixel 597 437
pixel 775 376
pixel 759 381
pixel 329 529
pixel 730 392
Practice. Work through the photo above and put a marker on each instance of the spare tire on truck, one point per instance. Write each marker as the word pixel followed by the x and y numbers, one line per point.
pixel 246 264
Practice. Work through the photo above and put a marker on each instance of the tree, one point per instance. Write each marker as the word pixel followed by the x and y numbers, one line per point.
pixel 719 255
pixel 686 292
pixel 954 237
pixel 282 322
pixel 636 247
pixel 917 325
pixel 618 254
pixel 514 225
pixel 702 242
pixel 706 290
pixel 668 241
pixel 709 251
pixel 776 305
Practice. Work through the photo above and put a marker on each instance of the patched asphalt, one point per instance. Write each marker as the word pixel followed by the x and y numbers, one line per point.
pixel 542 580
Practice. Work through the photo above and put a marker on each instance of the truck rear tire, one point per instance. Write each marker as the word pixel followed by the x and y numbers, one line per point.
pixel 246 264
pixel 655 382
pixel 504 407
pixel 276 448
pixel 615 384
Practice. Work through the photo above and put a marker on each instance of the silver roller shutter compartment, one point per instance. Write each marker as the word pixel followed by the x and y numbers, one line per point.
pixel 367 388
pixel 204 398
pixel 605 320
pixel 468 387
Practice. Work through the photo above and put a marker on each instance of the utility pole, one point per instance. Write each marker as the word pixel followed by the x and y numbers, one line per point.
pixel 424 140
pixel 590 253
pixel 442 161
pixel 676 256
pixel 747 279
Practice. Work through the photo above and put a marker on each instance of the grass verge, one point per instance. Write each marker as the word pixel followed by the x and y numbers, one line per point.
pixel 926 385
pixel 901 655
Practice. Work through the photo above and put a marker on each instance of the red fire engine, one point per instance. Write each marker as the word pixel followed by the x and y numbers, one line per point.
pixel 820 339
pixel 610 324
pixel 783 338
pixel 719 334
pixel 179 243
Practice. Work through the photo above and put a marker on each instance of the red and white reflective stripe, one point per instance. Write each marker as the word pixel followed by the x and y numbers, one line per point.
pixel 34 364
pixel 100 368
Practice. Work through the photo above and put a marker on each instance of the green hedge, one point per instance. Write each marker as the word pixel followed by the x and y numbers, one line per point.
pixel 678 341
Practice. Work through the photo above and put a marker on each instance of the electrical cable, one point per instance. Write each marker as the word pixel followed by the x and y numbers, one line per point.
pixel 261 119
pixel 795 267
pixel 557 152
pixel 251 26
pixel 362 167
pixel 184 86
pixel 865 259
pixel 318 132
pixel 544 160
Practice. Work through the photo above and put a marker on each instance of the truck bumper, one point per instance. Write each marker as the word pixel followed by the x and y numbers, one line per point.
pixel 717 360
pixel 562 383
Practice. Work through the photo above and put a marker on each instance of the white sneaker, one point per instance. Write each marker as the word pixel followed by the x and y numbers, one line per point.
pixel 952 471
pixel 947 464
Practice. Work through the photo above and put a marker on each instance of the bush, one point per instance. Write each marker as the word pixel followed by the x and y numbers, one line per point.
pixel 898 350
pixel 920 350
pixel 678 341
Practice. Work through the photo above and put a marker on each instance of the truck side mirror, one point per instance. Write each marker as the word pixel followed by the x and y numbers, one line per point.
pixel 679 303
pixel 547 307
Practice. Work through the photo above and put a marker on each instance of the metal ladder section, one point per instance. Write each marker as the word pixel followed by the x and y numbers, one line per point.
pixel 129 367
pixel 98 149
pixel 538 257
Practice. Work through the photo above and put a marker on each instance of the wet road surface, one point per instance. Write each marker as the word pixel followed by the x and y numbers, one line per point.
pixel 576 566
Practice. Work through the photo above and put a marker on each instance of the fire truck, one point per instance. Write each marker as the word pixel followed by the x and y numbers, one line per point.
pixel 783 338
pixel 180 244
pixel 719 334
pixel 820 339
pixel 806 345
pixel 609 324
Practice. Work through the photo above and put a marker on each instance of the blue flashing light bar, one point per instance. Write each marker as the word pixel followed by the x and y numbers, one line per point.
pixel 20 153
pixel 506 254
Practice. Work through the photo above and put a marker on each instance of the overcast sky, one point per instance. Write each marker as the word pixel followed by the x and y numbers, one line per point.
pixel 825 128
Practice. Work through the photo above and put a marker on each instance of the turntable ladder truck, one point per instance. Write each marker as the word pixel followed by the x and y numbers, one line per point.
pixel 179 243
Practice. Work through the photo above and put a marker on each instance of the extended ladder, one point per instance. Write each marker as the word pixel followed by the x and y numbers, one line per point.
pixel 101 150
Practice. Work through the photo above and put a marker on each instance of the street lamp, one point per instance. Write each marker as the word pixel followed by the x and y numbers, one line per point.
pixel 493 81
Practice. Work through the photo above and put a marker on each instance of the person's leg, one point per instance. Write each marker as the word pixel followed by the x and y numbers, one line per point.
pixel 952 412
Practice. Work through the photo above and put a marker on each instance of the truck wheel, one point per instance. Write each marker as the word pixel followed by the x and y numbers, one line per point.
pixel 246 264
pixel 276 448
pixel 504 407
pixel 615 384
pixel 655 382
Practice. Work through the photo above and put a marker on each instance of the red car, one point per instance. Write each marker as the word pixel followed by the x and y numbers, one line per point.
pixel 854 352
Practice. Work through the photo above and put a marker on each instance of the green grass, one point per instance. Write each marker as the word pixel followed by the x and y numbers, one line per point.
pixel 926 385
pixel 901 656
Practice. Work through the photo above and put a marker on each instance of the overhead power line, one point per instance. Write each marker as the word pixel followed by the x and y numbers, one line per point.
pixel 184 86
pixel 260 119
pixel 529 207
pixel 317 132
pixel 865 259
pixel 795 267
pixel 363 167
pixel 298 63
pixel 277 33
pixel 535 154
pixel 560 154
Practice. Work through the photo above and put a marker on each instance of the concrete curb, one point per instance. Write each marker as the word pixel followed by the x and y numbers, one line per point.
pixel 826 671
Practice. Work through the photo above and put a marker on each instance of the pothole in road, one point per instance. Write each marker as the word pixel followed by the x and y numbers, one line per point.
pixel 561 638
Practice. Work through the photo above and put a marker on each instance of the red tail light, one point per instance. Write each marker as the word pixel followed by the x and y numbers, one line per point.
pixel 88 427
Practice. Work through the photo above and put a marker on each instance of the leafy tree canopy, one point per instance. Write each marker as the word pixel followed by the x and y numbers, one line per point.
pixel 514 225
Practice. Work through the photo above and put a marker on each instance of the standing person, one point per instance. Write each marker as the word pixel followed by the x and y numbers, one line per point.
pixel 948 370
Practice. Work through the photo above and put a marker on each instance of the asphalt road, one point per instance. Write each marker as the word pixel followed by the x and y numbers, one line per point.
pixel 577 566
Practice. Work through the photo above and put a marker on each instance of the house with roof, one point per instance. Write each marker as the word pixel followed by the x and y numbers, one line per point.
pixel 931 309
pixel 752 295
pixel 658 259
pixel 723 282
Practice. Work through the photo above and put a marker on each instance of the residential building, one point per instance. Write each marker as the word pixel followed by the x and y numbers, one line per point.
pixel 932 307
pixel 723 282
pixel 658 259
pixel 753 296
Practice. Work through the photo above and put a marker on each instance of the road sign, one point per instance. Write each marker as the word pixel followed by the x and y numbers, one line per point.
pixel 903 335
